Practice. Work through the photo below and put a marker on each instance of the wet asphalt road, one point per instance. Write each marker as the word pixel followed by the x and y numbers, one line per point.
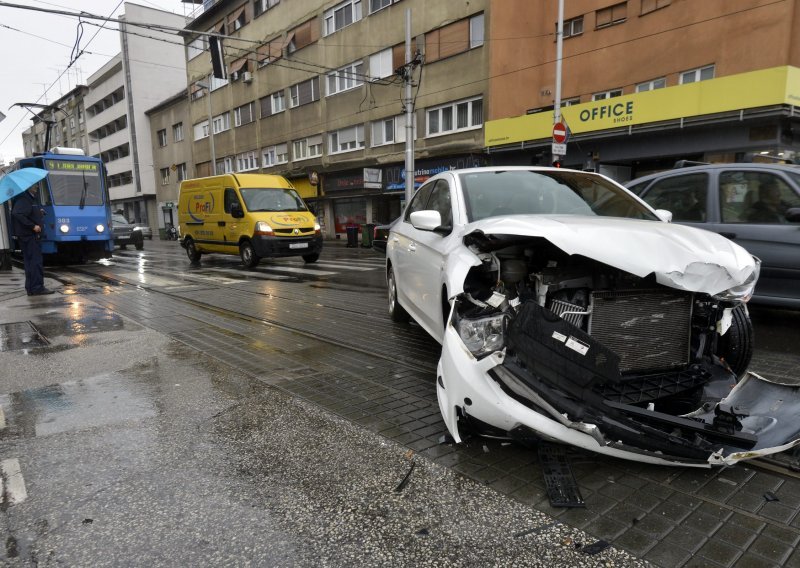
pixel 218 416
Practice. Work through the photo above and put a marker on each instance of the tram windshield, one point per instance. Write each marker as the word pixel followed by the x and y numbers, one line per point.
pixel 74 182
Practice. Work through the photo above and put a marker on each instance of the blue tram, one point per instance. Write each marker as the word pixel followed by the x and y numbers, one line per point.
pixel 74 197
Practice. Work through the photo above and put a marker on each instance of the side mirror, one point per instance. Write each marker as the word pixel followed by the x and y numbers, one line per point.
pixel 793 214
pixel 664 215
pixel 427 220
pixel 236 210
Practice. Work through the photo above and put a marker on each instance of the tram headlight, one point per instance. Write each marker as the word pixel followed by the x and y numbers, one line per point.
pixel 100 228
pixel 64 228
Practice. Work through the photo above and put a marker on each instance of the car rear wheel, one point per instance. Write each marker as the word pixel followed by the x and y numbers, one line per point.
pixel 139 245
pixel 736 346
pixel 311 257
pixel 396 311
pixel 249 257
pixel 192 252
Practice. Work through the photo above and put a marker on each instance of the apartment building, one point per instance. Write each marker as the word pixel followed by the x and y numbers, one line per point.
pixel 314 91
pixel 645 82
pixel 170 138
pixel 67 117
pixel 149 69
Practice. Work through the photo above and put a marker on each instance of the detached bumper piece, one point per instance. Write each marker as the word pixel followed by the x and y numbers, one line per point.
pixel 562 489
pixel 576 376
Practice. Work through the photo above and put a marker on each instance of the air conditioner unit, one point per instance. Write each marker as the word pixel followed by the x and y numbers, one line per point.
pixel 247 77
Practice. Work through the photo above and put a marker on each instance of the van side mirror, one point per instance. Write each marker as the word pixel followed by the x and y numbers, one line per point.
pixel 236 211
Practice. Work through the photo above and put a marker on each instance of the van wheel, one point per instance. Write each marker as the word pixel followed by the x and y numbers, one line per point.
pixel 311 257
pixel 249 257
pixel 192 252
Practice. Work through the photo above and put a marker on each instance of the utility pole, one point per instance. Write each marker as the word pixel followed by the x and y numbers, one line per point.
pixel 408 101
pixel 559 55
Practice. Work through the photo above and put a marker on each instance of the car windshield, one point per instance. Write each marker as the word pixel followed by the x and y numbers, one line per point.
pixel 510 192
pixel 117 218
pixel 272 199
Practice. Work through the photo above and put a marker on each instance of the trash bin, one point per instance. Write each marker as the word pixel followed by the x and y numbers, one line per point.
pixel 352 236
pixel 366 234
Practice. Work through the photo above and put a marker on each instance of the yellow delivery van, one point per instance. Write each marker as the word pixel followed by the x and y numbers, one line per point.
pixel 253 215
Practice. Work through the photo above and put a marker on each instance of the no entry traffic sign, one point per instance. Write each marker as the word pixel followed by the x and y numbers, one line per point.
pixel 559 133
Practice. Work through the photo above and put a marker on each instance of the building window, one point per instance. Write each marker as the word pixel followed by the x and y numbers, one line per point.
pixel 341 16
pixel 180 171
pixel 476 31
pixel 572 27
pixel 224 166
pixel 162 137
pixel 306 148
pixel 201 130
pixel 196 47
pixel 571 102
pixel 216 83
pixel 222 122
pixel 244 114
pixel 346 139
pixel 274 155
pixel 380 64
pixel 304 93
pixel 700 74
pixel 303 35
pixel 273 104
pixel 164 176
pixel 454 38
pixel 390 130
pixel 238 18
pixel 346 78
pixel 269 52
pixel 177 132
pixel 261 6
pixel 246 161
pixel 612 15
pixel 375 5
pixel 607 95
pixel 659 83
pixel 455 117
pixel 653 5
pixel 197 91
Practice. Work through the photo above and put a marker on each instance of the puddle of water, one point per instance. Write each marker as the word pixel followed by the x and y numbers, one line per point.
pixel 79 319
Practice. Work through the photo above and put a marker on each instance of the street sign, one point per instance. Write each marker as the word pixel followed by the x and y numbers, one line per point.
pixel 559 149
pixel 559 133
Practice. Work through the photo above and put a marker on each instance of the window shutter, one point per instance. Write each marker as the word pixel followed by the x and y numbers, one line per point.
pixel 454 39
pixel 432 46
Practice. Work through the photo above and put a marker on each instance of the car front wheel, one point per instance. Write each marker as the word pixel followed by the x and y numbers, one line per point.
pixel 249 257
pixel 736 346
pixel 396 311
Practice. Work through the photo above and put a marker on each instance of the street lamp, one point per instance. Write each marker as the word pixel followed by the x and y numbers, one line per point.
pixel 210 128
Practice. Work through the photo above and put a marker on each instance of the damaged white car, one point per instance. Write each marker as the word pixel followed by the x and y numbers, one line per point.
pixel 568 310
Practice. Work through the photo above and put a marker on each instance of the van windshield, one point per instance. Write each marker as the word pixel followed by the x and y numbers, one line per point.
pixel 271 199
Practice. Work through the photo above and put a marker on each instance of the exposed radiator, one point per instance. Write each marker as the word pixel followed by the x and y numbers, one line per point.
pixel 648 329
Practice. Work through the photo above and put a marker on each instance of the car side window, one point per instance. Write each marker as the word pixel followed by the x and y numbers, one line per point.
pixel 230 199
pixel 440 201
pixel 686 196
pixel 419 201
pixel 765 197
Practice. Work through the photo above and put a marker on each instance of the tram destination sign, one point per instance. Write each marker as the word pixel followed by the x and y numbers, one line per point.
pixel 70 166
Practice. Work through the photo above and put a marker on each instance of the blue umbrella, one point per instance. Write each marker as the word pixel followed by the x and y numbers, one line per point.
pixel 14 183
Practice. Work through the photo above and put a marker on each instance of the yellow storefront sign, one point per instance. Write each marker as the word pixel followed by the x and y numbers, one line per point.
pixel 766 87
pixel 304 188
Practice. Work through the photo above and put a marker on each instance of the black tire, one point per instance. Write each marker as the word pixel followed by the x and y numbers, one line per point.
pixel 123 247
pixel 192 252
pixel 248 255
pixel 396 311
pixel 736 346
pixel 139 245
pixel 311 257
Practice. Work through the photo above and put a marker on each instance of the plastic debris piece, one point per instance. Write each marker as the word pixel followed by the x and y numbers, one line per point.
pixel 423 532
pixel 402 484
pixel 562 489
pixel 485 449
pixel 595 547
pixel 446 439
pixel 87 521
pixel 770 496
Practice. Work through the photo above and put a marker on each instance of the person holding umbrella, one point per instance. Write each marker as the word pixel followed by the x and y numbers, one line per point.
pixel 26 215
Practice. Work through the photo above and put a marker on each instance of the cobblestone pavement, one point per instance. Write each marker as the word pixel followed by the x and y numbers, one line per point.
pixel 331 343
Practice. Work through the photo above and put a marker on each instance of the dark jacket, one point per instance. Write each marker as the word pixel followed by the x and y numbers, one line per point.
pixel 25 214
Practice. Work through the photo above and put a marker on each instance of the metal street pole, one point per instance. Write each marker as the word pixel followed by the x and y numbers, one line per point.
pixel 559 54
pixel 409 104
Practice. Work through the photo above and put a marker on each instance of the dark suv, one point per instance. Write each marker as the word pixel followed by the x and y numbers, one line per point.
pixel 754 205
pixel 126 233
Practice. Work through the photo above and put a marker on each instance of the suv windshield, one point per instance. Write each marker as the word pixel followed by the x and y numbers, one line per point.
pixel 509 192
pixel 272 199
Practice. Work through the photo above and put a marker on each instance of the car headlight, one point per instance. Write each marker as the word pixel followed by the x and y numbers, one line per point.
pixel 137 228
pixel 262 228
pixel 100 228
pixel 744 291
pixel 483 335
pixel 317 228
pixel 64 228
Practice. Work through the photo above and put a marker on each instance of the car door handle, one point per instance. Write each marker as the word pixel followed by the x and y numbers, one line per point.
pixel 221 223
pixel 412 247
pixel 730 236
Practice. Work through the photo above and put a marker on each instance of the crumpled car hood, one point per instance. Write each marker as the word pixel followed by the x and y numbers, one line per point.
pixel 680 257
